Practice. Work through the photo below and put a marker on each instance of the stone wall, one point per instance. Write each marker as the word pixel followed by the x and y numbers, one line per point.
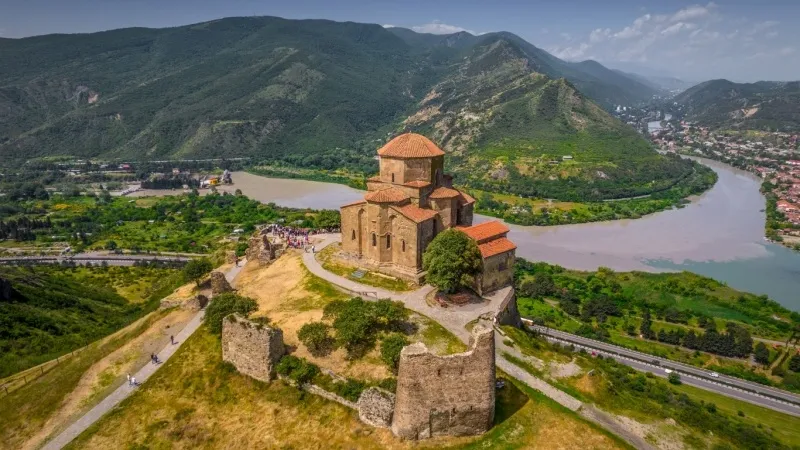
pixel 254 349
pixel 497 272
pixel 507 312
pixel 219 284
pixel 260 249
pixel 446 395
pixel 376 407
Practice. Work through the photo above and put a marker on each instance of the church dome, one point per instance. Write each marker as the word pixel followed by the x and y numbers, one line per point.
pixel 410 145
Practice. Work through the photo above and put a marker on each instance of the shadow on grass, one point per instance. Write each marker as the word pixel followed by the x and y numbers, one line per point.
pixel 508 400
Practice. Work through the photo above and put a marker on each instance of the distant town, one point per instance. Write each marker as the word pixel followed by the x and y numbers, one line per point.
pixel 772 155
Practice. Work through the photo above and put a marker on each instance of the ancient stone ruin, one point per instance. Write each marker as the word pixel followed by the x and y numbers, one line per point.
pixel 262 250
pixel 376 407
pixel 446 395
pixel 195 303
pixel 253 348
pixel 219 284
pixel 230 257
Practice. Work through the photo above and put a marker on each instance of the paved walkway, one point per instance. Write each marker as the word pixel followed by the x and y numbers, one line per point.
pixel 122 392
pixel 455 321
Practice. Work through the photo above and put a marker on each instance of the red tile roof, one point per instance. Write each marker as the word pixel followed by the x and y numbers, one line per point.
pixel 443 192
pixel 416 213
pixel 496 247
pixel 466 198
pixel 391 195
pixel 357 202
pixel 417 184
pixel 486 231
pixel 410 145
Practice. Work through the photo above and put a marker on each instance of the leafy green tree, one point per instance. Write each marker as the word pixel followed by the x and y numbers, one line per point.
pixel 225 304
pixel 297 369
pixel 316 338
pixel 794 363
pixel 761 353
pixel 196 269
pixel 646 327
pixel 111 245
pixel 451 260
pixel 538 286
pixel 391 346
pixel 674 378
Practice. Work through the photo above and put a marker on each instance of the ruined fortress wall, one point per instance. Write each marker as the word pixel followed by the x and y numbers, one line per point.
pixel 498 272
pixel 253 348
pixel 507 312
pixel 446 395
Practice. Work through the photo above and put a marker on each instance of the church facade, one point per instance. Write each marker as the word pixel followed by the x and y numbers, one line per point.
pixel 408 203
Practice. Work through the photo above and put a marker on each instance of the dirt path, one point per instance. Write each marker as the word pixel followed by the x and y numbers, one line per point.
pixel 142 375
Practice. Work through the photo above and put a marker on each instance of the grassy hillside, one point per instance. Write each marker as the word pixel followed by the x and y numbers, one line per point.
pixel 54 310
pixel 764 105
pixel 324 95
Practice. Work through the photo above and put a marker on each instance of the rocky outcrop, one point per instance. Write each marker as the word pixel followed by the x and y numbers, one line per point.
pixel 262 250
pixel 253 348
pixel 230 257
pixel 376 407
pixel 446 395
pixel 219 284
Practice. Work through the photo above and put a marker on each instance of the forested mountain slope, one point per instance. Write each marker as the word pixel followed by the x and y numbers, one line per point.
pixel 768 105
pixel 317 93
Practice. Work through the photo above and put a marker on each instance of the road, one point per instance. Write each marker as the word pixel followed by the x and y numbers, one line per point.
pixel 737 388
pixel 94 258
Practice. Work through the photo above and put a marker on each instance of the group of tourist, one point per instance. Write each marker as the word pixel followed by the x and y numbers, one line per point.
pixel 296 237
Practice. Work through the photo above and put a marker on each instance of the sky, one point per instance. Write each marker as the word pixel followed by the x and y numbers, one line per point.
pixel 741 40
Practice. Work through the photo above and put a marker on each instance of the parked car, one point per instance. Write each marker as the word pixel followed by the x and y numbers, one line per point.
pixel 668 371
pixel 714 375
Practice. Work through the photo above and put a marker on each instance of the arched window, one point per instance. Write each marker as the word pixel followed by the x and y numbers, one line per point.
pixel 353 236
pixel 374 240
pixel 403 245
pixel 388 241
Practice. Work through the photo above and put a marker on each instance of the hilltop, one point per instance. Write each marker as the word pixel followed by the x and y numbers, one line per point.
pixel 766 105
pixel 323 95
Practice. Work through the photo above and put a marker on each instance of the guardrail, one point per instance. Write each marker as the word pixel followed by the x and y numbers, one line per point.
pixel 648 360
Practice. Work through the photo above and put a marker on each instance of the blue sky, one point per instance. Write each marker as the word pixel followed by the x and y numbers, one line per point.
pixel 735 39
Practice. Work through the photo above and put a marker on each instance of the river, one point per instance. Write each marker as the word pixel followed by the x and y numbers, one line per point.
pixel 720 234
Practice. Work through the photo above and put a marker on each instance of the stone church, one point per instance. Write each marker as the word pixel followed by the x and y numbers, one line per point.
pixel 407 204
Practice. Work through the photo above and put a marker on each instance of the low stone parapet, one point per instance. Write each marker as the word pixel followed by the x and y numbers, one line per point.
pixel 253 348
pixel 376 407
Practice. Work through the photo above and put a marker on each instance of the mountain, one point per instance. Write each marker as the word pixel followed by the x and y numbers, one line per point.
pixel 323 94
pixel 665 84
pixel 764 105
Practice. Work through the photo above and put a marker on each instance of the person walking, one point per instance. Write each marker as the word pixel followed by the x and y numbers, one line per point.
pixel 172 339
pixel 133 381
pixel 129 379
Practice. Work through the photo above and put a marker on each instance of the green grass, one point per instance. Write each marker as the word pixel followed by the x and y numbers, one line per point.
pixel 26 409
pixel 437 336
pixel 331 264
pixel 783 426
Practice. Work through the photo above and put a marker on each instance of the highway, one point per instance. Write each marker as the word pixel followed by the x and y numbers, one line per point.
pixel 94 258
pixel 747 391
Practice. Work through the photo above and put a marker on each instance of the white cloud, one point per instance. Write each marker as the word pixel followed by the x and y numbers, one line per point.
pixel 388 25
pixel 693 12
pixel 677 28
pixel 702 39
pixel 437 27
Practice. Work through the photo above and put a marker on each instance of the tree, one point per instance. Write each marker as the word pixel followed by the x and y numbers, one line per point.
pixel 315 337
pixel 391 346
pixel 452 260
pixel 794 363
pixel 761 353
pixel 646 327
pixel 674 378
pixel 111 245
pixel 225 304
pixel 540 285
pixel 196 269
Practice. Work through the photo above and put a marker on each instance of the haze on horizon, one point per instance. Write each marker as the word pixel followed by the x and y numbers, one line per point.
pixel 735 39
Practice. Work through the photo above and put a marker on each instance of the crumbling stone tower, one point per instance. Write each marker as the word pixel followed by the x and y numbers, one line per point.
pixel 219 284
pixel 446 395
pixel 252 347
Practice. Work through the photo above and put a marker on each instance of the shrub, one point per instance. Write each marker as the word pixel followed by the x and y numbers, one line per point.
pixel 451 260
pixel 761 353
pixel 196 269
pixel 390 384
pixel 315 337
pixel 225 304
pixel 297 369
pixel 357 322
pixel 674 378
pixel 794 363
pixel 391 346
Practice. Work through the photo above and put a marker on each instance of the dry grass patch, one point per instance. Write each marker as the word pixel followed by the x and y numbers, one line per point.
pixel 196 401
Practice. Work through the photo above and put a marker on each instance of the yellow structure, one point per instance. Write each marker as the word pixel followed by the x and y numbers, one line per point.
pixel 408 203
